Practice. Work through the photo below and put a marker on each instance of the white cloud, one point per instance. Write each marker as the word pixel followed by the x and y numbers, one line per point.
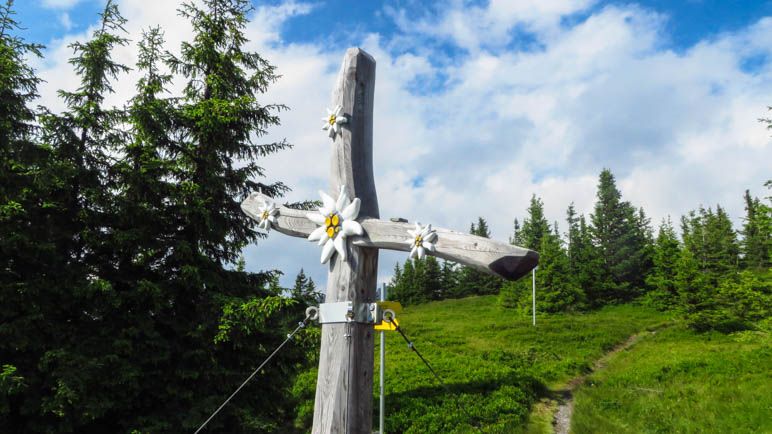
pixel 60 4
pixel 477 134
pixel 65 21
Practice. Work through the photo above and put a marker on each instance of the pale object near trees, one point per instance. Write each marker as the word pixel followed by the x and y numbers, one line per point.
pixel 343 402
pixel 267 214
pixel 421 239
pixel 333 121
pixel 337 220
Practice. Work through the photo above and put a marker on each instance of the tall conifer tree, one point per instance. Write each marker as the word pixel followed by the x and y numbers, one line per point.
pixel 471 281
pixel 535 226
pixel 665 260
pixel 619 233
pixel 28 260
pixel 756 234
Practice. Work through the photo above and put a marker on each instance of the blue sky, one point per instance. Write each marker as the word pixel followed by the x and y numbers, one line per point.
pixel 479 105
pixel 688 21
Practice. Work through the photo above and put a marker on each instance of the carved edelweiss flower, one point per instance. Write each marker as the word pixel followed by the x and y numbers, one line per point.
pixel 333 120
pixel 337 220
pixel 267 214
pixel 422 239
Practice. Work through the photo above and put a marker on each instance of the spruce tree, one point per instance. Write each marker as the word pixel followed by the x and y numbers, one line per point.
pixel 665 258
pixel 395 283
pixel 620 234
pixel 217 125
pixel 588 264
pixel 694 292
pixel 535 226
pixel 471 281
pixel 301 283
pixel 448 279
pixel 517 237
pixel 756 235
pixel 556 290
pixel 218 121
pixel 573 238
pixel 432 279
pixel 407 286
pixel 710 238
pixel 304 290
pixel 28 261
pixel 85 309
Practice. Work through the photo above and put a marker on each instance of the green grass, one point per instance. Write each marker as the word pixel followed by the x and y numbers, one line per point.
pixel 502 370
pixel 680 381
pixel 492 359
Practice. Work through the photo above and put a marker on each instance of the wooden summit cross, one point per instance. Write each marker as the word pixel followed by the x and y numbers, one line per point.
pixel 351 235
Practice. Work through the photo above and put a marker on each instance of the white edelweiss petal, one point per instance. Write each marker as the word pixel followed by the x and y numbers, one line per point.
pixel 343 200
pixel 421 252
pixel 336 127
pixel 341 120
pixel 338 110
pixel 331 132
pixel 351 212
pixel 412 233
pixel 317 234
pixel 426 230
pixel 431 236
pixel 429 246
pixel 329 112
pixel 328 204
pixel 316 218
pixel 413 252
pixel 327 251
pixel 350 227
pixel 273 220
pixel 340 246
pixel 262 224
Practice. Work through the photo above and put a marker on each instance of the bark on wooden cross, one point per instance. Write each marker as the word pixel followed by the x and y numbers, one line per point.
pixel 344 387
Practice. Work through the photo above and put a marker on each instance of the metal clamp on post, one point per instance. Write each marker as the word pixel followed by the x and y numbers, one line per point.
pixel 348 311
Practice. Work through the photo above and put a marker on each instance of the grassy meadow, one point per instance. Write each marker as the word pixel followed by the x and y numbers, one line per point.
pixel 492 359
pixel 678 381
pixel 507 373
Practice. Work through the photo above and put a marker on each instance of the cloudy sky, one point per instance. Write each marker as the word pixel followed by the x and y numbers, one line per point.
pixel 479 105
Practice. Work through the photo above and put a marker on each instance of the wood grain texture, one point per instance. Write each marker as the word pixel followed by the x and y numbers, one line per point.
pixel 344 390
pixel 490 256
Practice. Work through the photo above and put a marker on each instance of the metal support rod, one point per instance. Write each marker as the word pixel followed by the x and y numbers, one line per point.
pixel 533 273
pixel 383 368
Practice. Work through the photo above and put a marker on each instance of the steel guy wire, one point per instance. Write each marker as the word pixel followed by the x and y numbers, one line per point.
pixel 301 324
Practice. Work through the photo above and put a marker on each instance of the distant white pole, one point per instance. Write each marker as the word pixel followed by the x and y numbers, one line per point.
pixel 383 367
pixel 533 273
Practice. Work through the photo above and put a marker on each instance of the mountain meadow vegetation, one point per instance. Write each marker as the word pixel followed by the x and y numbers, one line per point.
pixel 125 306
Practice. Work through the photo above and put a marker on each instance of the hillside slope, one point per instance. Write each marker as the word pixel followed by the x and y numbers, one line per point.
pixel 504 375
pixel 494 362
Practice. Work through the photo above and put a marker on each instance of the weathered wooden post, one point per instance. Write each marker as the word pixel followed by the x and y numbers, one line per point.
pixel 351 234
pixel 346 360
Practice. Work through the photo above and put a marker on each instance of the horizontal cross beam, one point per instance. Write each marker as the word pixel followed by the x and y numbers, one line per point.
pixel 486 255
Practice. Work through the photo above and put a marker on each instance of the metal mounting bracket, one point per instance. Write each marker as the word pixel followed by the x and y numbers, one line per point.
pixel 348 311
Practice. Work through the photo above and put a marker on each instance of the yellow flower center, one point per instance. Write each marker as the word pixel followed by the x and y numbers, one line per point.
pixel 264 215
pixel 332 119
pixel 419 241
pixel 332 223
